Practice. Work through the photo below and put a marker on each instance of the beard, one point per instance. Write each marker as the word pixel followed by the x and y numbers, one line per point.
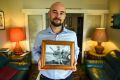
pixel 56 22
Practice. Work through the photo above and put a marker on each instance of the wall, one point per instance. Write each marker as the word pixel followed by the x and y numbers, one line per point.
pixel 83 4
pixel 114 7
pixel 3 37
pixel 15 17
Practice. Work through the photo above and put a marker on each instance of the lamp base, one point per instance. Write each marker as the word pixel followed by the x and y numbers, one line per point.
pixel 99 49
pixel 18 50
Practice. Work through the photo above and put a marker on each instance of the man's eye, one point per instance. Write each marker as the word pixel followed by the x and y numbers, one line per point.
pixel 61 13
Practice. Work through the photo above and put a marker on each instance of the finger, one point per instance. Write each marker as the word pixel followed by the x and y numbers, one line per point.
pixel 74 69
pixel 39 64
pixel 74 63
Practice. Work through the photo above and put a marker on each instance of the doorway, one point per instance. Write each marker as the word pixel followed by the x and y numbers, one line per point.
pixel 74 21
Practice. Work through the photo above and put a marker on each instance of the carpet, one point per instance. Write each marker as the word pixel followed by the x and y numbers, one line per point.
pixel 80 74
pixel 33 72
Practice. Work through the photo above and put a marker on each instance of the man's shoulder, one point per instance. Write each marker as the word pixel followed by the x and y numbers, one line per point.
pixel 42 31
pixel 71 31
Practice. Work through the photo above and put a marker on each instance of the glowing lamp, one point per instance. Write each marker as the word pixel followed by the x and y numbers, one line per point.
pixel 100 35
pixel 17 34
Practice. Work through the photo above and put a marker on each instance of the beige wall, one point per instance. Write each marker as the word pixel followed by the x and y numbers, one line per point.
pixel 114 7
pixel 84 4
pixel 15 17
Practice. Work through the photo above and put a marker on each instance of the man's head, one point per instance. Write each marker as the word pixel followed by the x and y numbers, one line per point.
pixel 57 14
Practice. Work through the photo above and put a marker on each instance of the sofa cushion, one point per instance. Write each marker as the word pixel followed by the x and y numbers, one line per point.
pixel 22 75
pixel 99 70
pixel 117 77
pixel 94 63
pixel 98 74
pixel 113 59
pixel 3 60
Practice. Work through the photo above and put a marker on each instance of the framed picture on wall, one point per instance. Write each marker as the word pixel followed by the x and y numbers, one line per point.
pixel 57 55
pixel 2 20
pixel 116 21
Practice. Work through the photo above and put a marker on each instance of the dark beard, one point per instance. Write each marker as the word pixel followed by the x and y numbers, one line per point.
pixel 56 24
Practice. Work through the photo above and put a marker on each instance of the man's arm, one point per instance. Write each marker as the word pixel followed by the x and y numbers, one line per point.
pixel 76 49
pixel 36 49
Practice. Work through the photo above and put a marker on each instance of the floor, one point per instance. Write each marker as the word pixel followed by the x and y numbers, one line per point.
pixel 33 73
pixel 78 75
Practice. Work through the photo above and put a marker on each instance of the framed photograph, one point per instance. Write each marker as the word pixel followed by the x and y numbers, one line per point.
pixel 2 20
pixel 57 55
pixel 116 21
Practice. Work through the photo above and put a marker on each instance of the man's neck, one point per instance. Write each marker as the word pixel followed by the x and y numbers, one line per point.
pixel 57 30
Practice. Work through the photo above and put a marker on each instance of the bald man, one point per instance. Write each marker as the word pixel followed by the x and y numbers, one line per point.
pixel 56 32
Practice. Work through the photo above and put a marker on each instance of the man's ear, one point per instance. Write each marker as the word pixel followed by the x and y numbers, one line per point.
pixel 65 15
pixel 49 14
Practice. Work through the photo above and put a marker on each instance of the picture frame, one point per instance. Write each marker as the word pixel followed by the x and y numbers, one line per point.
pixel 116 21
pixel 2 20
pixel 57 55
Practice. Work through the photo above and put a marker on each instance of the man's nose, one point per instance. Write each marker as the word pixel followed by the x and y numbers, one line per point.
pixel 58 15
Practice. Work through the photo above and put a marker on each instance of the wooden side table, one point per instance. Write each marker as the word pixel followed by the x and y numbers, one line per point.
pixel 93 56
pixel 19 58
pixel 20 62
pixel 16 58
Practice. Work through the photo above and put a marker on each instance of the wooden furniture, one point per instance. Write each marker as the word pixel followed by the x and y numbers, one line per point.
pixel 21 62
pixel 93 56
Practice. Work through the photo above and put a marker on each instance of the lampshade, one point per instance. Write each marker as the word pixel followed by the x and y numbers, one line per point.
pixel 17 34
pixel 100 35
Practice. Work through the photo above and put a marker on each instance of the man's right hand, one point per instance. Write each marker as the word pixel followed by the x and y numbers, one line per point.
pixel 39 65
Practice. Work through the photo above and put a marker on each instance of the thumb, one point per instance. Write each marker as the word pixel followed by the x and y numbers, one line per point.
pixel 39 65
pixel 75 68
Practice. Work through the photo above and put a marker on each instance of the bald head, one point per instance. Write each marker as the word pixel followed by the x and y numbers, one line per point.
pixel 57 5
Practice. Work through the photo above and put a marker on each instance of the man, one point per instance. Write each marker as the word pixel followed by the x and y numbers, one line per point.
pixel 55 32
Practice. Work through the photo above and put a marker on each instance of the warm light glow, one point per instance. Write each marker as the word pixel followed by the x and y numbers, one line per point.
pixel 89 45
pixel 108 46
pixel 100 35
pixel 18 20
pixel 17 34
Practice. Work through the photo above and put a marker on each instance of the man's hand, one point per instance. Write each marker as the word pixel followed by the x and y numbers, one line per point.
pixel 75 68
pixel 39 65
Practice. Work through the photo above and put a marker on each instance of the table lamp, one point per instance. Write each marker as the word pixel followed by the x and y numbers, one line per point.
pixel 17 34
pixel 100 35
